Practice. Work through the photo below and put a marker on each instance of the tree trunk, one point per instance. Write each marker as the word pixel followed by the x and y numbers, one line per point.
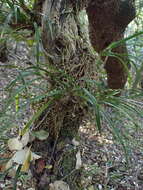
pixel 108 20
pixel 67 53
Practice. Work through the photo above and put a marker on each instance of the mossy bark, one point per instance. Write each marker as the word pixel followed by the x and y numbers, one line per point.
pixel 67 50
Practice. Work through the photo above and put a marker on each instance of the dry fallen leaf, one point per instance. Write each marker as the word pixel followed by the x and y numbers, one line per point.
pixel 23 157
pixel 8 164
pixel 12 171
pixel 59 185
pixel 25 139
pixel 40 164
pixel 14 144
pixel 75 142
pixel 4 156
pixel 19 156
pixel 26 163
pixel 17 143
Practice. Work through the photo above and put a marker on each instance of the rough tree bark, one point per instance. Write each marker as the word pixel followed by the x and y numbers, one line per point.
pixel 108 20
pixel 66 50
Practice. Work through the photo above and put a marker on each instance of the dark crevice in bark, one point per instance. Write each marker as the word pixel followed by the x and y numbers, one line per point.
pixel 3 52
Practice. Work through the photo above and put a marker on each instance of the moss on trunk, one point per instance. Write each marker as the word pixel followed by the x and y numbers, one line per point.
pixel 69 54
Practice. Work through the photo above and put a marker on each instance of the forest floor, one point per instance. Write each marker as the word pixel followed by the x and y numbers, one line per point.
pixel 103 158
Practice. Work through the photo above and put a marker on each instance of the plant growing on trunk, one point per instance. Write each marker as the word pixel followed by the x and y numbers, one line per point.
pixel 70 66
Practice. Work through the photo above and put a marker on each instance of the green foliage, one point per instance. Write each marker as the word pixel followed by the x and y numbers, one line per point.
pixel 103 104
pixel 97 100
